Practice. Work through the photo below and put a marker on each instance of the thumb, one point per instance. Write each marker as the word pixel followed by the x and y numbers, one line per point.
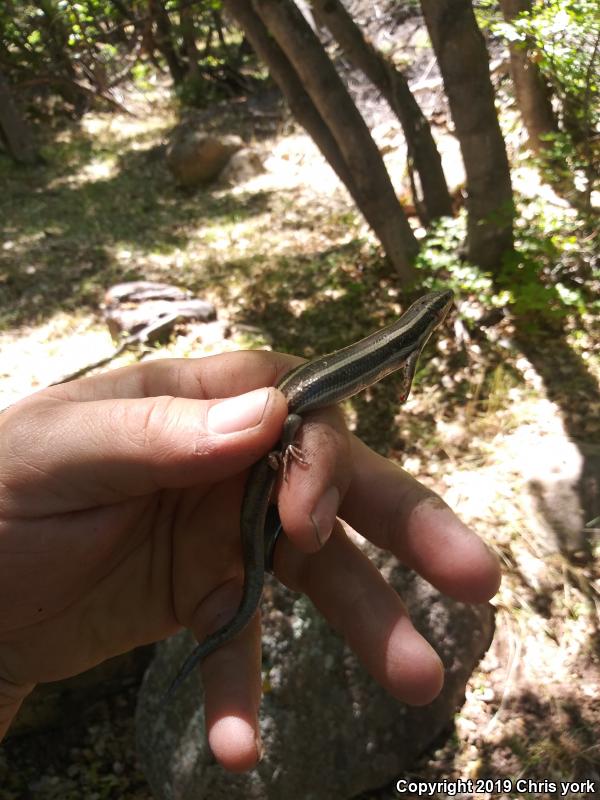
pixel 11 698
pixel 62 455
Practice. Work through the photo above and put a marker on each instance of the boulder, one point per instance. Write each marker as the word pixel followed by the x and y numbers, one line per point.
pixel 328 729
pixel 242 166
pixel 195 157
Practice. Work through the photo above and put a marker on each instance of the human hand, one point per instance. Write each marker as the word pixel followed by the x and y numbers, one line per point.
pixel 119 523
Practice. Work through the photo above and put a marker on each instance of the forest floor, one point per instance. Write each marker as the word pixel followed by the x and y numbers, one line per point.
pixel 505 431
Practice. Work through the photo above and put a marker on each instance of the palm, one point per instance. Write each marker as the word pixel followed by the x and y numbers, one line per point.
pixel 143 565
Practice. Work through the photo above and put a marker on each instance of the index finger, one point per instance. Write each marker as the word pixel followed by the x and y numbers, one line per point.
pixel 309 496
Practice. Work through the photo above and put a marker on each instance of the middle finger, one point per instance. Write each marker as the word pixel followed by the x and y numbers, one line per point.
pixel 357 602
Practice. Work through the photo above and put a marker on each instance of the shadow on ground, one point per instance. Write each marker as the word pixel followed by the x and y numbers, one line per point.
pixel 62 227
pixel 571 386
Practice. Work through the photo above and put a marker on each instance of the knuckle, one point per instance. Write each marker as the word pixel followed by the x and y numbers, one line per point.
pixel 147 423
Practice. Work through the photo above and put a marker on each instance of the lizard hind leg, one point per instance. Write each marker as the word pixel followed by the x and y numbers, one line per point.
pixel 290 451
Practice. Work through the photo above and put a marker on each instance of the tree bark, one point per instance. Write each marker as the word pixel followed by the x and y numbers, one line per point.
pixel 531 90
pixel 463 60
pixel 188 34
pixel 288 81
pixel 164 40
pixel 378 201
pixel 14 129
pixel 423 155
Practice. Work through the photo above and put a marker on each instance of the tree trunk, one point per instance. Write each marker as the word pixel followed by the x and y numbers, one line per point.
pixel 14 129
pixel 124 10
pixel 423 154
pixel 286 78
pixel 463 60
pixel 532 92
pixel 298 99
pixel 57 39
pixel 188 34
pixel 378 201
pixel 164 40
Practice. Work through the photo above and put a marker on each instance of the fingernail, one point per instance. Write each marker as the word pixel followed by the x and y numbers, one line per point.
pixel 238 413
pixel 324 514
pixel 259 748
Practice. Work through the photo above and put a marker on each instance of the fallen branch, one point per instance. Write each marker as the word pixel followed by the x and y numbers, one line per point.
pixel 139 339
pixel 95 93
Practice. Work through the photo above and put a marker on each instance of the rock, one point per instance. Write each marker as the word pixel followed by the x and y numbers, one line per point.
pixel 131 307
pixel 328 729
pixel 562 477
pixel 242 166
pixel 195 157
pixel 138 291
pixel 129 321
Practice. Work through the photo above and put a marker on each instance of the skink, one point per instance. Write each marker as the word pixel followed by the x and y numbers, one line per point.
pixel 322 382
